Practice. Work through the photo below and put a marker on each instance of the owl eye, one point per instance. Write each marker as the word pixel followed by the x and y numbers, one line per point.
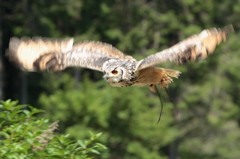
pixel 114 72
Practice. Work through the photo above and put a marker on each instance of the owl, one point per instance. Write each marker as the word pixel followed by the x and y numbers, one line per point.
pixel 119 70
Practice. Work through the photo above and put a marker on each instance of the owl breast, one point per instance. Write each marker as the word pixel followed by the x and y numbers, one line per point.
pixel 121 83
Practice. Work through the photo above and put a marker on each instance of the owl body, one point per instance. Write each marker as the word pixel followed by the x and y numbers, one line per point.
pixel 119 70
pixel 123 73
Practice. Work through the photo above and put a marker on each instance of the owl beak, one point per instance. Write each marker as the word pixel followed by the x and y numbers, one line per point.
pixel 106 77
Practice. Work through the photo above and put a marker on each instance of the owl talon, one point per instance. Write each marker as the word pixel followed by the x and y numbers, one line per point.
pixel 152 87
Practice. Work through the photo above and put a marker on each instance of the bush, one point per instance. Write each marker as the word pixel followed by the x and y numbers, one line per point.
pixel 23 135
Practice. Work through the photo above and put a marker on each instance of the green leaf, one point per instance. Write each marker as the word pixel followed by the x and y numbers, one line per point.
pixel 82 143
pixel 94 151
pixel 99 145
pixel 4 134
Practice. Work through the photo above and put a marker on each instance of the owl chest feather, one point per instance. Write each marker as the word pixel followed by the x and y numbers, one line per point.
pixel 130 81
pixel 123 83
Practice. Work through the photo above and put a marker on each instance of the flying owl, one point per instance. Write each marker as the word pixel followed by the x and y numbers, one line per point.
pixel 37 53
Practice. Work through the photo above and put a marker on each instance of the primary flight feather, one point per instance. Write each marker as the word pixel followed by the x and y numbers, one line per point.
pixel 119 70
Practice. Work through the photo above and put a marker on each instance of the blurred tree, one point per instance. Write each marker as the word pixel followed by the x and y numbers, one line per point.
pixel 1 66
pixel 207 92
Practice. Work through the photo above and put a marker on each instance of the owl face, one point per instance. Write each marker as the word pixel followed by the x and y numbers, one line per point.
pixel 117 72
pixel 112 71
pixel 113 75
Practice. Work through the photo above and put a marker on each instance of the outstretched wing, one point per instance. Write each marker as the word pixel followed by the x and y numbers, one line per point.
pixel 92 55
pixel 49 54
pixel 190 49
pixel 26 50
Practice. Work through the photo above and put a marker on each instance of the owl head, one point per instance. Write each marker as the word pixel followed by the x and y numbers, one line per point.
pixel 115 71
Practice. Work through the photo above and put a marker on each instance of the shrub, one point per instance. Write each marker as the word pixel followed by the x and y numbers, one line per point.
pixel 24 135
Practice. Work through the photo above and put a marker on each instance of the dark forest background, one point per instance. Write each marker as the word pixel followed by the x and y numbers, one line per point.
pixel 207 92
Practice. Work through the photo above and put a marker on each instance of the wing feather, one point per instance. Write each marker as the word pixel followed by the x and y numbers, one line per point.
pixel 39 53
pixel 107 49
pixel 190 49
pixel 26 50
pixel 92 55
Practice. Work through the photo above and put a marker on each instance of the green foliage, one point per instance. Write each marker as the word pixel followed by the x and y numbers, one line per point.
pixel 207 92
pixel 23 135
pixel 121 117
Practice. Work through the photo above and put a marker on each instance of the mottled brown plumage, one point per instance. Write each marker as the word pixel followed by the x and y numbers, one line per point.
pixel 25 51
pixel 119 70
pixel 194 47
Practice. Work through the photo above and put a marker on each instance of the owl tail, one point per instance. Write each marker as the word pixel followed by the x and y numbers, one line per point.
pixel 163 77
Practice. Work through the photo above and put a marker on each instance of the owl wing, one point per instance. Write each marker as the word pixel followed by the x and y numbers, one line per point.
pixel 48 54
pixel 92 55
pixel 25 51
pixel 193 48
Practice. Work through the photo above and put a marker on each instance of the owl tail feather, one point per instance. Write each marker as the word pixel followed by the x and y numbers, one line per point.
pixel 163 77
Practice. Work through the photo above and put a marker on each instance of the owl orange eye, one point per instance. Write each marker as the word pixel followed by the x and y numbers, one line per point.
pixel 114 72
